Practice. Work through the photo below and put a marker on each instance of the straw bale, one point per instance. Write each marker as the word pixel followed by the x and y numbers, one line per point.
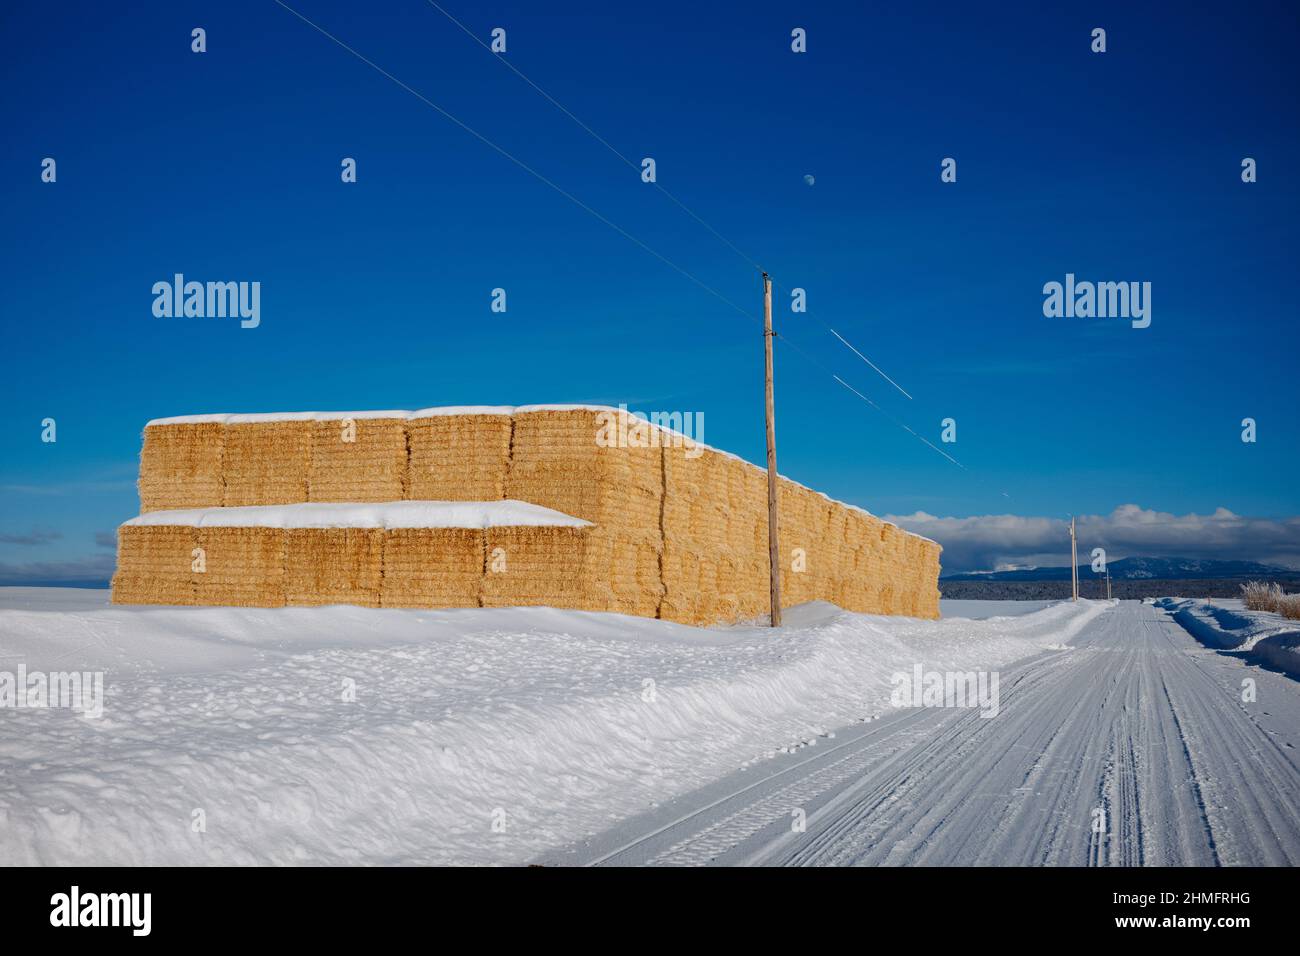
pixel 266 463
pixel 153 565
pixel 334 566
pixel 433 567
pixel 546 565
pixel 245 567
pixel 634 576
pixel 459 457
pixel 686 508
pixel 796 531
pixel 556 462
pixel 373 467
pixel 180 466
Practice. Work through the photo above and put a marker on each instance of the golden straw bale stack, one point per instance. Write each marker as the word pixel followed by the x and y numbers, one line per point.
pixel 927 584
pixel 545 565
pixel 371 467
pixel 634 574
pixel 681 575
pixel 795 530
pixel 887 599
pixel 432 567
pixel 154 565
pixel 556 462
pixel 245 567
pixel 678 532
pixel 636 546
pixel 458 457
pixel 749 540
pixel 715 561
pixel 266 463
pixel 829 564
pixel 180 466
pixel 715 558
pixel 604 467
pixel 848 531
pixel 334 566
pixel 698 524
pixel 722 516
pixel 685 539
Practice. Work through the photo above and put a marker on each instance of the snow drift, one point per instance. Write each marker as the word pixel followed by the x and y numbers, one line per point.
pixel 344 735
pixel 1262 635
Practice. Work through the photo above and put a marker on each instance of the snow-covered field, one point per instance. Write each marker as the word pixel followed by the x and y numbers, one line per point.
pixel 349 735
pixel 979 610
pixel 1229 625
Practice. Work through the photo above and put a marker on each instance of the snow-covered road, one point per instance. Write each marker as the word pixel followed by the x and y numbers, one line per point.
pixel 1134 746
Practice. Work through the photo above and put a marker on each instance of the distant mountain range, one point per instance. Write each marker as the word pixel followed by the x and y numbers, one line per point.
pixel 1138 569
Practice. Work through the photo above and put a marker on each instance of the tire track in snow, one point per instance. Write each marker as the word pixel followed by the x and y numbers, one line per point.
pixel 1136 721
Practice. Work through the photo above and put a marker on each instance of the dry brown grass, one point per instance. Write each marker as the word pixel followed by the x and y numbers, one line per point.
pixel 1261 596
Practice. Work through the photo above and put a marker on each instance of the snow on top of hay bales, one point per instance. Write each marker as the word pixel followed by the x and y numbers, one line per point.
pixel 388 514
pixel 442 410
pixel 399 413
pixel 446 410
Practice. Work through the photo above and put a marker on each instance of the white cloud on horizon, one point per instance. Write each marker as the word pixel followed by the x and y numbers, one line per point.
pixel 90 570
pixel 990 542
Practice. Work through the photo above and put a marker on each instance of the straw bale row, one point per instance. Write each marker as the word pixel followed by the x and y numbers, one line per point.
pixel 370 567
pixel 556 462
pixel 210 464
pixel 715 564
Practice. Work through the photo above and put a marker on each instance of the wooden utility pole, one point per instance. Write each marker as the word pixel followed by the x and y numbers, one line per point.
pixel 773 545
pixel 1108 584
pixel 1074 560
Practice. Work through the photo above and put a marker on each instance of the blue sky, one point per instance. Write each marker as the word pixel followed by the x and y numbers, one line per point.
pixel 225 165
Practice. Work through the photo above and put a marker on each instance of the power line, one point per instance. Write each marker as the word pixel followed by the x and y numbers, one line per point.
pixel 631 164
pixel 868 361
pixel 621 231
pixel 852 348
pixel 594 135
pixel 901 424
pixel 518 162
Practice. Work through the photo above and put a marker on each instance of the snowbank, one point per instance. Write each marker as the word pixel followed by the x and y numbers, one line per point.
pixel 388 514
pixel 344 735
pixel 1262 635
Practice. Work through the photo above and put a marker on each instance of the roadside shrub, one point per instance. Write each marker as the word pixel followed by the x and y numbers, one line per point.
pixel 1259 596
pixel 1262 596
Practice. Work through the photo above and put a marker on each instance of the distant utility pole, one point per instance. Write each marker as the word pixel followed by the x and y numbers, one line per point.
pixel 773 546
pixel 1074 561
pixel 1108 584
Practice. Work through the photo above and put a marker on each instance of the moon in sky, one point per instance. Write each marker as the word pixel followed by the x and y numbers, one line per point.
pixel 808 178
